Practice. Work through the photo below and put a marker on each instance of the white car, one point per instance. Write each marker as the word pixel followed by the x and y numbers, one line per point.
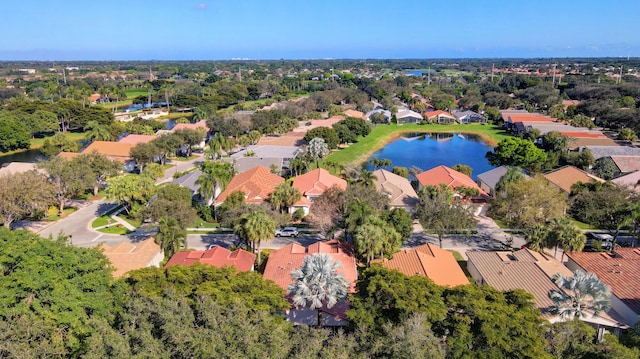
pixel 287 232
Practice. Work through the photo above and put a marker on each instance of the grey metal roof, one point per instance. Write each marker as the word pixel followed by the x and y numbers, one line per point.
pixel 189 180
pixel 491 177
pixel 606 151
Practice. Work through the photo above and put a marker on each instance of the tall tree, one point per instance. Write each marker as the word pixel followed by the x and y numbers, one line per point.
pixel 513 151
pixel 317 283
pixel 214 179
pixel 130 189
pixel 69 178
pixel 580 294
pixel 436 212
pixel 317 149
pixel 171 236
pixel 284 196
pixel 24 194
pixel 255 227
pixel 565 234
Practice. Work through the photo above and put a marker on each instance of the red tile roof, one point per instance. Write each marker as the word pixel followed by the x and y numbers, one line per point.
pixel 256 183
pixel 430 261
pixel 448 176
pixel 282 261
pixel 113 150
pixel 432 114
pixel 529 117
pixel 126 256
pixel 135 139
pixel 317 181
pixel 217 257
pixel 621 272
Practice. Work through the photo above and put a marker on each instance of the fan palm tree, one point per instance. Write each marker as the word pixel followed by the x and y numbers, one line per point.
pixel 317 283
pixel 317 149
pixel 171 236
pixel 369 240
pixel 566 234
pixel 214 179
pixel 536 237
pixel 581 293
pixel 255 227
pixel 367 178
pixel 98 132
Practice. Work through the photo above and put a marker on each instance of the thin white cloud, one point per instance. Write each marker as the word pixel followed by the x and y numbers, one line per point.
pixel 202 6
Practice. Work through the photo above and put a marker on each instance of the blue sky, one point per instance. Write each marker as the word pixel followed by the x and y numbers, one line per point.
pixel 289 29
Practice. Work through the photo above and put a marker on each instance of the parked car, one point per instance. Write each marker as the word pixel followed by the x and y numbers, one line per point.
pixel 604 240
pixel 287 232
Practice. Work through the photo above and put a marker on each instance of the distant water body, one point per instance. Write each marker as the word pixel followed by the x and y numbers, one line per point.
pixel 433 149
pixel 418 72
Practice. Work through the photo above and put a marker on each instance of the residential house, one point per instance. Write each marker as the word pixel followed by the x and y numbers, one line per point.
pixel 631 180
pixel 567 176
pixel 526 118
pixel 609 151
pixel 267 156
pixel 440 116
pixel 469 117
pixel 449 177
pixel 257 184
pixel 489 180
pixel 217 256
pixel 289 139
pixel 355 114
pixel 136 139
pixel 533 272
pixel 189 180
pixel 329 122
pixel 282 261
pixel 385 113
pixel 114 151
pixel 312 185
pixel 620 270
pixel 401 193
pixel 193 126
pixel 406 115
pixel 126 256
pixel 11 168
pixel 627 164
pixel 429 261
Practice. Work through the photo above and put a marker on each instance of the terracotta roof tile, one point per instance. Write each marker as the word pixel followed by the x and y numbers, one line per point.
pixel 621 272
pixel 217 256
pixel 448 176
pixel 527 117
pixel 192 126
pixel 567 176
pixel 430 261
pixel 256 183
pixel 126 256
pixel 135 139
pixel 113 150
pixel 314 183
pixel 432 114
pixel 282 261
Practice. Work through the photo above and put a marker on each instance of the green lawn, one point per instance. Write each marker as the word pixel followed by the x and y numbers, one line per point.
pixel 37 142
pixel 133 93
pixel 461 262
pixel 582 225
pixel 383 134
pixel 53 213
pixel 100 221
pixel 113 229
pixel 132 221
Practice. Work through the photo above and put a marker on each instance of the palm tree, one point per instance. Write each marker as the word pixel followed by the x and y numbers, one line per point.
pixel 367 178
pixel 284 195
pixel 98 132
pixel 566 234
pixel 317 149
pixel 380 163
pixel 536 237
pixel 214 179
pixel 369 240
pixel 171 236
pixel 318 283
pixel 581 293
pixel 254 227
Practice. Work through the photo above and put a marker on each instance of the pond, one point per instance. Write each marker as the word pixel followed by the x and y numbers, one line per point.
pixel 24 156
pixel 429 150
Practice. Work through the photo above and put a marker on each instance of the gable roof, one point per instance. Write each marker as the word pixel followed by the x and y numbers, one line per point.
pixel 256 183
pixel 329 122
pixel 189 180
pixel 135 139
pixel 620 272
pixel 399 189
pixel 627 164
pixel 630 180
pixel 282 261
pixel 126 256
pixel 437 113
pixel 217 256
pixel 527 117
pixel 191 126
pixel 567 176
pixel 316 182
pixel 405 112
pixel 468 113
pixel 448 176
pixel 530 271
pixel 354 113
pixel 288 139
pixel 430 261
pixel 116 151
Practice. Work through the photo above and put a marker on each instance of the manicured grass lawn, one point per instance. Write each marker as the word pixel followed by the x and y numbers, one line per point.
pixel 383 134
pixel 184 158
pixel 133 93
pixel 74 136
pixel 175 116
pixel 53 213
pixel 132 221
pixel 582 225
pixel 113 229
pixel 461 262
pixel 100 221
pixel 203 224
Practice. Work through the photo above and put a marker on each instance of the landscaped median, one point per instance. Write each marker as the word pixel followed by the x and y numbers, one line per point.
pixel 381 135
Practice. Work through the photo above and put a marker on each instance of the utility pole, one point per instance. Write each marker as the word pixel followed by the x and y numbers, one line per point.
pixel 64 77
pixel 492 70
pixel 240 73
pixel 553 81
